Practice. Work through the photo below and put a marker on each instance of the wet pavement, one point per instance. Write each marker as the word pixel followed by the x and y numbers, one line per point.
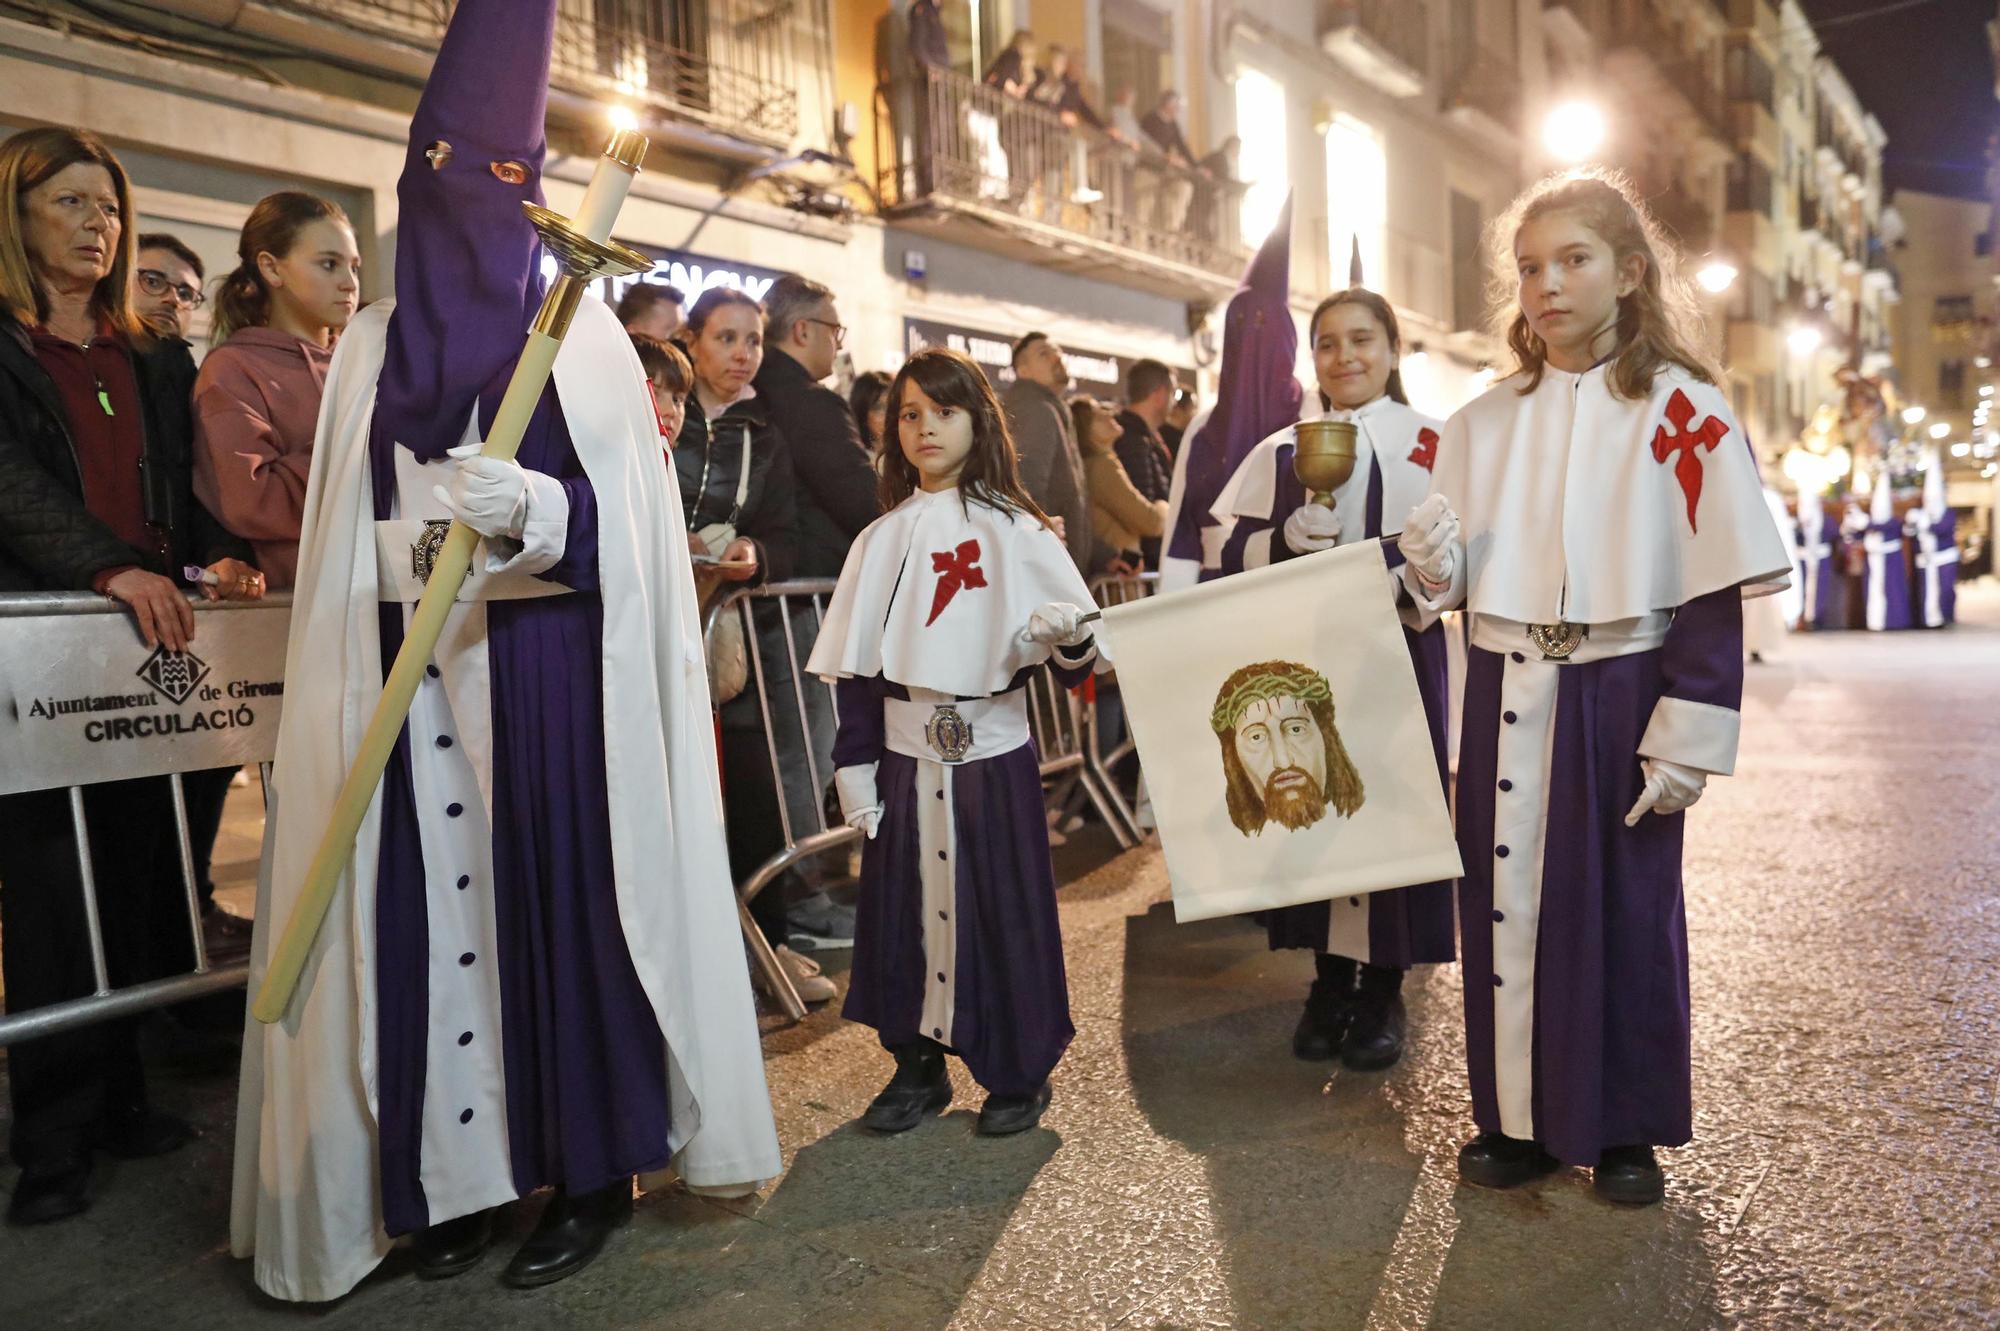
pixel 1844 921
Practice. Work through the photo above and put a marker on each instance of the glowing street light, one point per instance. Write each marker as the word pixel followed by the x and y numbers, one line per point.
pixel 1804 339
pixel 1961 450
pixel 1913 415
pixel 1716 276
pixel 1573 131
pixel 1940 430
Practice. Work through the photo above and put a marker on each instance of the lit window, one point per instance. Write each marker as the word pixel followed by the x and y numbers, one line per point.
pixel 1357 199
pixel 1260 120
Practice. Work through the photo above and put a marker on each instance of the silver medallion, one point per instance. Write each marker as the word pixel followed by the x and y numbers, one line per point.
pixel 949 734
pixel 424 550
pixel 1557 641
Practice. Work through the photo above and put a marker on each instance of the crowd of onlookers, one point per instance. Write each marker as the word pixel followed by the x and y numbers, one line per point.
pixel 133 468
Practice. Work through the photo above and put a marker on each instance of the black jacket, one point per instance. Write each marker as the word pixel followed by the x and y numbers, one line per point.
pixel 836 485
pixel 48 539
pixel 708 463
pixel 1144 456
pixel 928 45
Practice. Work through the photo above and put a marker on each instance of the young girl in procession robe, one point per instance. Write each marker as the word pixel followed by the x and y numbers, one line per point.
pixel 1361 945
pixel 946 606
pixel 1608 524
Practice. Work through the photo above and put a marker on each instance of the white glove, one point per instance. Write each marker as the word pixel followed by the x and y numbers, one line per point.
pixel 1312 527
pixel 488 495
pixel 1670 787
pixel 1057 624
pixel 1428 535
pixel 860 805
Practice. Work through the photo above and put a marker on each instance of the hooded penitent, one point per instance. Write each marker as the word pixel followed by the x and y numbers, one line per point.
pixel 1258 391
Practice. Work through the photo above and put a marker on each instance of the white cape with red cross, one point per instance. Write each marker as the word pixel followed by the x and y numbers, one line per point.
pixel 936 595
pixel 1579 505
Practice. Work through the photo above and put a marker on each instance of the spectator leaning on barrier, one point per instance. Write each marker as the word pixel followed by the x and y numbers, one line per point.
pixel 1149 395
pixel 96 492
pixel 1051 465
pixel 166 284
pixel 653 308
pixel 868 400
pixel 295 286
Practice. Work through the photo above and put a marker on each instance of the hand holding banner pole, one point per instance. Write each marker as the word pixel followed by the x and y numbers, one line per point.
pixel 584 251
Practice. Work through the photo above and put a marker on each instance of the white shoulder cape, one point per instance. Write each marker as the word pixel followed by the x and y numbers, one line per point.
pixel 1579 505
pixel 936 594
pixel 306 1201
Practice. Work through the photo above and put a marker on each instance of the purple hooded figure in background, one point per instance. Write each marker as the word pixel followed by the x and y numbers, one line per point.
pixel 1257 393
pixel 540 917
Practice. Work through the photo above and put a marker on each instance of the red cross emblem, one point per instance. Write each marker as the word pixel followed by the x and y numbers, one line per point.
pixel 1425 454
pixel 955 569
pixel 1688 443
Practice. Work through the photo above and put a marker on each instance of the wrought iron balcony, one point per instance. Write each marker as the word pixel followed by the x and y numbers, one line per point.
pixel 724 64
pixel 1067 194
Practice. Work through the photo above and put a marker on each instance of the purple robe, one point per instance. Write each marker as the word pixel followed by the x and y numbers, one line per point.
pixel 1406 926
pixel 1010 1000
pixel 1934 578
pixel 1823 587
pixel 1885 576
pixel 1610 1040
pixel 584 1058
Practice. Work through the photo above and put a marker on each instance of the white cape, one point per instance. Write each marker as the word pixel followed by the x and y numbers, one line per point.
pixel 1400 438
pixel 306 1200
pixel 936 593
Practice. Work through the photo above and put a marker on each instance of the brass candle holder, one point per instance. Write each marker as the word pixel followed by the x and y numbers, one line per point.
pixel 1323 458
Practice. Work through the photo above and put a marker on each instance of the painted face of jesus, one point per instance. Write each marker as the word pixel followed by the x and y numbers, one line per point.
pixel 1284 755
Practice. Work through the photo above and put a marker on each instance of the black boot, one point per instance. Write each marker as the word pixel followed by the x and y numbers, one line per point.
pixel 1004 1115
pixel 452 1247
pixel 921 1086
pixel 1495 1160
pixel 139 1132
pixel 51 1191
pixel 1323 1025
pixel 1630 1176
pixel 569 1235
pixel 1375 1036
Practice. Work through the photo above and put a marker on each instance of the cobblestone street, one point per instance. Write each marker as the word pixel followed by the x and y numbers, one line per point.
pixel 1844 919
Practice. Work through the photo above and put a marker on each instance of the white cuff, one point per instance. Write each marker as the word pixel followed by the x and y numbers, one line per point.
pixel 855 788
pixel 544 529
pixel 1694 734
pixel 1082 653
pixel 1431 604
pixel 1257 549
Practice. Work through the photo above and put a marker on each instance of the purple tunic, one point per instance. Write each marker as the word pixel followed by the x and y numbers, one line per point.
pixel 1888 591
pixel 1940 569
pixel 1407 926
pixel 1010 1010
pixel 585 1062
pixel 1610 1061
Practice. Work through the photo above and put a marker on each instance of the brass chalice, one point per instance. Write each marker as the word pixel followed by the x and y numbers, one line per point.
pixel 1323 458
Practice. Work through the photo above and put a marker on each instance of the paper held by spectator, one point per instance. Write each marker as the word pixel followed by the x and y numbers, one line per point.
pixel 1283 738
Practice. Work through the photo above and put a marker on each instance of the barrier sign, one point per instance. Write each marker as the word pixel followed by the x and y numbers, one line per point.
pixel 83 699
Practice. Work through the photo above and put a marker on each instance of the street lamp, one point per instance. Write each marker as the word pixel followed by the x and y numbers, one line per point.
pixel 1961 450
pixel 1804 339
pixel 1940 430
pixel 1573 131
pixel 1913 415
pixel 1716 276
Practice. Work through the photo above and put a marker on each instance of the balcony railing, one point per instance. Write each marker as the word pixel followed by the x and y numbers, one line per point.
pixel 725 63
pixel 946 140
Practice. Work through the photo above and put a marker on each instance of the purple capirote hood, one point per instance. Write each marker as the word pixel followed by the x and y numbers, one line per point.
pixel 466 257
pixel 1258 391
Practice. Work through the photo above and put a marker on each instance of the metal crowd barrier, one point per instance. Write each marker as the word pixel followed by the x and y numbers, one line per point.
pixel 66 666
pixel 1063 724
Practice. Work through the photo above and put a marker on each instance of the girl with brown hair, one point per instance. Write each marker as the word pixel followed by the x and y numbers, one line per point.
pixel 1610 523
pixel 945 608
pixel 297 283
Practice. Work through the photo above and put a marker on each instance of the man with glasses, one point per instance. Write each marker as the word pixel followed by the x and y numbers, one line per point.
pixel 166 284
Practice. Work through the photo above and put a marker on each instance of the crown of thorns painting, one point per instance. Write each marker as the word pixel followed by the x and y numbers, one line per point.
pixel 1282 759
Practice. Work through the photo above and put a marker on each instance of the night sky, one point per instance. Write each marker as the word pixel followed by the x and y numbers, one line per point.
pixel 1926 71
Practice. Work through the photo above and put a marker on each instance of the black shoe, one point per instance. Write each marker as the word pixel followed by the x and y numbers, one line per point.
pixel 1329 1009
pixel 1630 1176
pixel 139 1132
pixel 921 1086
pixel 1375 1035
pixel 452 1247
pixel 49 1193
pixel 1494 1160
pixel 1004 1115
pixel 569 1235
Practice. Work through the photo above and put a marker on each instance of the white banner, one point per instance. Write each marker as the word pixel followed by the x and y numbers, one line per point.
pixel 1284 741
pixel 83 699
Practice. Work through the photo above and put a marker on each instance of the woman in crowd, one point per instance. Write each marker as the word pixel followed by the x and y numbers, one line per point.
pixel 869 399
pixel 1602 686
pixel 1122 517
pixel 958 949
pixel 669 378
pixel 96 494
pixel 1363 945
pixel 296 283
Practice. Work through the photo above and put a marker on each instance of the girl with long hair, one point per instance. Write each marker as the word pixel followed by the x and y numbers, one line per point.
pixel 1609 524
pixel 1363 945
pixel 947 605
pixel 296 284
